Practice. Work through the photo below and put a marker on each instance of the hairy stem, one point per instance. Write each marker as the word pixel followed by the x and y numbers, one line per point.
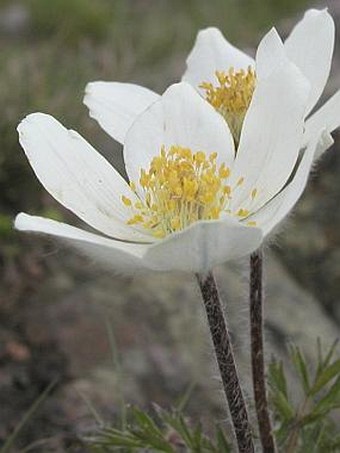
pixel 226 362
pixel 257 354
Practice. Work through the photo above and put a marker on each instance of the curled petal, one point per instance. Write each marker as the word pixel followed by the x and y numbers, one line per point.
pixel 76 175
pixel 116 105
pixel 119 256
pixel 310 46
pixel 268 217
pixel 327 117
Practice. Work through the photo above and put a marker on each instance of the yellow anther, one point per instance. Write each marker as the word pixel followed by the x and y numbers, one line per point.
pixel 214 213
pixel 253 193
pixel 251 223
pixel 240 181
pixel 232 96
pixel 126 200
pixel 186 153
pixel 212 157
pixel 144 179
pixel 160 234
pixel 175 223
pixel 180 188
pixel 224 172
pixel 199 157
pixel 243 212
pixel 133 186
pixel 227 190
pixel 135 219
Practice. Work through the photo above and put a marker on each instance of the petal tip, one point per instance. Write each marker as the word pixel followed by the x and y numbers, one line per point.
pixel 209 31
pixel 34 119
pixel 91 86
pixel 19 221
pixel 322 14
pixel 180 87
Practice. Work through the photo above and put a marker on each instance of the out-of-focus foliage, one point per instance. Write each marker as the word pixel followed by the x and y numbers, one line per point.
pixel 307 424
pixel 7 446
pixel 72 20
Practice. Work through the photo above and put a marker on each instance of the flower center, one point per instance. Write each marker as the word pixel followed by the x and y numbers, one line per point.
pixel 180 188
pixel 232 96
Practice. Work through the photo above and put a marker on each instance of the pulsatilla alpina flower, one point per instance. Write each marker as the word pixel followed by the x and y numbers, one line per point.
pixel 227 78
pixel 177 210
pixel 191 202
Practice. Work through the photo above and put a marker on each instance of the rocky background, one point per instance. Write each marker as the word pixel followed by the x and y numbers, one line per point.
pixel 57 310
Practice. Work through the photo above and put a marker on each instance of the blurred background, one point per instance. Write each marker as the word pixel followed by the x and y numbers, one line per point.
pixel 57 310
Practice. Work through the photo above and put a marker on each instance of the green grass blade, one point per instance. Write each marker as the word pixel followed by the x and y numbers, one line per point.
pixel 90 406
pixel 185 398
pixel 117 367
pixel 301 368
pixel 28 415
pixel 325 377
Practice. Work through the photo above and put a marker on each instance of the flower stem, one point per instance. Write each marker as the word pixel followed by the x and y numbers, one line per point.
pixel 257 354
pixel 226 362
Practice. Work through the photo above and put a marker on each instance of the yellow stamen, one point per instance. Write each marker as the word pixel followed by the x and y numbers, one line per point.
pixel 179 188
pixel 135 219
pixel 243 212
pixel 253 193
pixel 232 96
pixel 126 200
pixel 240 181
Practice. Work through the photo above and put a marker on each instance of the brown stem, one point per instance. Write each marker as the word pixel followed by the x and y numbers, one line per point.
pixel 293 438
pixel 226 362
pixel 257 355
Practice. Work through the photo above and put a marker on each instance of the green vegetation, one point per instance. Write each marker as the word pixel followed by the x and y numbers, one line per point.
pixel 71 20
pixel 170 432
pixel 307 423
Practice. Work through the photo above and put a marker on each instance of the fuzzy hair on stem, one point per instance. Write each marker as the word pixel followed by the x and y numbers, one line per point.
pixel 257 352
pixel 226 362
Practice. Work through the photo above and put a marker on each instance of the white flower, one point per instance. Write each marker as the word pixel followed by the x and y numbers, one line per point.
pixel 309 46
pixel 192 201
pixel 208 180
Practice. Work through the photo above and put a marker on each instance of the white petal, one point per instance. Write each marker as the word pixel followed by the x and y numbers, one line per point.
pixel 76 175
pixel 271 136
pixel 327 117
pixel 116 105
pixel 212 52
pixel 203 245
pixel 277 209
pixel 115 255
pixel 270 54
pixel 310 46
pixel 180 117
